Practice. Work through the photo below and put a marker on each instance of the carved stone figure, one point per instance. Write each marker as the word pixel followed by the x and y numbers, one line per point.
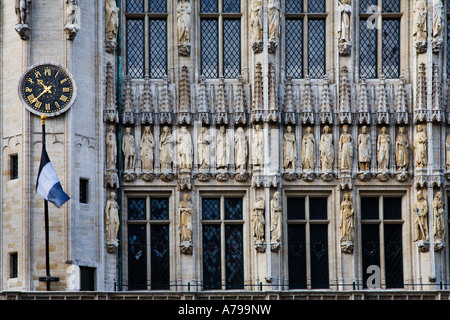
pixel 447 148
pixel 420 148
pixel 258 220
pixel 344 28
pixel 309 150
pixel 184 149
pixel 438 212
pixel 275 218
pixel 421 218
pixel 203 143
pixel 241 149
pixel 258 147
pixel 22 11
pixel 402 150
pixel 72 25
pixel 166 149
pixel 274 15
pixel 364 155
pixel 111 148
pixel 345 149
pixel 147 146
pixel 183 26
pixel 438 25
pixel 222 149
pixel 129 149
pixel 186 214
pixel 383 146
pixel 112 221
pixel 347 219
pixel 420 25
pixel 256 23
pixel 326 150
pixel 112 19
pixel 289 149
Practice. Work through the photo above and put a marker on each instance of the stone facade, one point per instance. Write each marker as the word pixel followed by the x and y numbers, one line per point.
pixel 340 137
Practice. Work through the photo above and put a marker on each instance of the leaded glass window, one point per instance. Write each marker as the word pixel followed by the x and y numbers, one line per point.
pixel 367 50
pixel 209 29
pixel 135 48
pixel 231 48
pixel 148 243
pixel 294 48
pixel 448 39
pixel 307 225
pixel 222 238
pixel 316 48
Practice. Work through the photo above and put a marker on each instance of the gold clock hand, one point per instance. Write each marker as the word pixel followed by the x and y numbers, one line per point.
pixel 47 89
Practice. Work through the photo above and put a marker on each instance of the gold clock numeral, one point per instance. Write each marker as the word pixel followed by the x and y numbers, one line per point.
pixel 47 106
pixel 47 72
pixel 38 104
pixel 64 80
pixel 30 97
pixel 66 89
pixel 57 105
pixel 63 98
pixel 28 89
pixel 30 80
pixel 56 74
pixel 37 74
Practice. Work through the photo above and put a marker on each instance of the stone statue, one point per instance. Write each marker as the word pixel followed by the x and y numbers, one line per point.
pixel 309 150
pixel 184 149
pixel 383 146
pixel 421 217
pixel 166 149
pixel 241 149
pixel 203 143
pixel 326 149
pixel 111 148
pixel 112 221
pixel 402 150
pixel 420 25
pixel 23 11
pixel 256 24
pixel 112 19
pixel 72 25
pixel 258 220
pixel 147 146
pixel 345 24
pixel 186 214
pixel 345 149
pixel 447 148
pixel 439 216
pixel 274 15
pixel 438 24
pixel 276 214
pixel 129 149
pixel 420 148
pixel 364 150
pixel 258 147
pixel 183 26
pixel 289 149
pixel 347 219
pixel 222 149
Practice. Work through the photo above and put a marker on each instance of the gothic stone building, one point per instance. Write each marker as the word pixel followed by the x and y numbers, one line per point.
pixel 219 145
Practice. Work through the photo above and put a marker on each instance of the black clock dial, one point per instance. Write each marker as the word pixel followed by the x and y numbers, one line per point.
pixel 47 89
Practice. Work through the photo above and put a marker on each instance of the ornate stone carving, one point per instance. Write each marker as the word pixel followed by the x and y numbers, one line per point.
pixel 326 149
pixel 439 222
pixel 111 25
pixel 420 108
pixel 258 99
pixel 203 147
pixel 289 150
pixel 289 109
pixel 438 25
pixel 128 116
pixel 240 149
pixel 166 150
pixel 363 107
pixel 147 104
pixel 184 97
pixel 258 148
pixel 420 211
pixel 222 103
pixel 186 211
pixel 256 25
pixel 240 115
pixel 402 150
pixel 347 223
pixel 420 26
pixel 183 27
pixel 382 109
pixel 111 148
pixel 203 115
pixel 437 112
pixel 345 150
pixel 23 13
pixel 344 29
pixel 307 106
pixel 364 154
pixel 326 115
pixel 147 146
pixel 345 115
pixel 185 150
pixel 420 148
pixel 258 224
pixel 401 114
pixel 222 149
pixel 112 223
pixel 165 111
pixel 110 113
pixel 276 218
pixel 309 150
pixel 129 150
pixel 383 149
pixel 447 152
pixel 274 17
pixel 73 16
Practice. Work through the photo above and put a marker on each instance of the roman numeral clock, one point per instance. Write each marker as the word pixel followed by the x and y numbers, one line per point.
pixel 47 89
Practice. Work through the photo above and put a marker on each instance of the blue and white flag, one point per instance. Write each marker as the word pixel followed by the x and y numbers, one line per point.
pixel 48 184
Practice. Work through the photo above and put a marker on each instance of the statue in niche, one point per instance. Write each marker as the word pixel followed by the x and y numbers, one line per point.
pixel 23 11
pixel 439 216
pixel 402 150
pixel 166 149
pixel 258 220
pixel 111 148
pixel 222 149
pixel 112 220
pixel 241 149
pixel 421 218
pixel 309 150
pixel 347 224
pixel 420 148
pixel 72 25
pixel 345 149
pixel 184 149
pixel 186 214
pixel 345 23
pixel 364 150
pixel 275 218
pixel 438 25
pixel 326 150
pixel 129 149
pixel 183 26
pixel 420 25
pixel 112 19
pixel 147 147
pixel 289 149
pixel 383 146
pixel 274 14
pixel 203 143
pixel 256 23
pixel 258 147
pixel 447 149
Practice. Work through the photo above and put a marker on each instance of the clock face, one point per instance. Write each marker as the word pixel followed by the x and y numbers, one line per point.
pixel 47 89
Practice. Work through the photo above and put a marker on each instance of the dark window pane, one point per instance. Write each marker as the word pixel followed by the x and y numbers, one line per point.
pixel 234 257
pixel 316 49
pixel 134 6
pixel 231 48
pixel 448 45
pixel 393 255
pixel 87 279
pixel 136 209
pixel 296 256
pixel 211 257
pixel 14 167
pixel 160 271
pixel 84 190
pixel 391 6
pixel 159 209
pixel 233 208
pixel 231 6
pixel 392 208
pixel 209 48
pixel 370 245
pixel 367 50
pixel 369 208
pixel 209 6
pixel 294 6
pixel 137 257
pixel 211 209
pixel 316 6
pixel 319 256
pixel 157 6
pixel 296 208
pixel 135 48
pixel 318 208
pixel 365 4
pixel 158 48
pixel 14 265
pixel 294 48
pixel 391 48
